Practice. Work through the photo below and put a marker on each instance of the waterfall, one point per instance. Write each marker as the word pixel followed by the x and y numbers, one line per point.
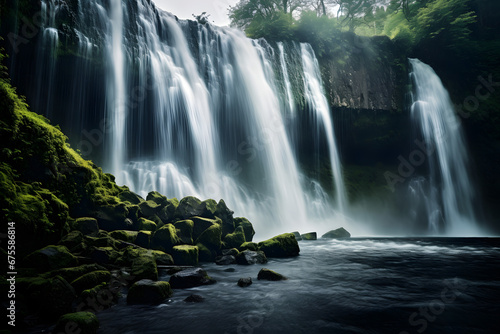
pixel 190 109
pixel 449 194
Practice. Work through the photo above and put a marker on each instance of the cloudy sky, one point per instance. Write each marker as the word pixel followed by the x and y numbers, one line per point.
pixel 185 8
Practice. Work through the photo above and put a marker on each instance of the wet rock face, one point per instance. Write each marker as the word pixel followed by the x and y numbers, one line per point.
pixel 190 278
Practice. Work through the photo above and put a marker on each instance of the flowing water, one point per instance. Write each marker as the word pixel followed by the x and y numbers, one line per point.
pixel 448 192
pixel 429 285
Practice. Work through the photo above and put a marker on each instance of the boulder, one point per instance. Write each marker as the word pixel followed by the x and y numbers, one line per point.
pixel 244 282
pixel 185 230
pixel 190 278
pixel 50 258
pixel 157 198
pixel 74 241
pixel 201 224
pixel 86 225
pixel 79 322
pixel 162 258
pixel 283 245
pixel 185 255
pixel 129 254
pixel 149 208
pixel 112 217
pixel 104 255
pixel 148 292
pixel 235 239
pixel 70 274
pixel 167 213
pixel 51 297
pixel 105 294
pixel 249 257
pixel 208 208
pixel 309 236
pixel 226 215
pixel 123 235
pixel 247 227
pixel 165 238
pixel 337 234
pixel 128 196
pixel 225 260
pixel 297 235
pixel 188 207
pixel 144 224
pixel 230 251
pixel 211 238
pixel 205 254
pixel 269 275
pixel 143 239
pixel 248 245
pixel 144 267
pixel 90 280
pixel 194 299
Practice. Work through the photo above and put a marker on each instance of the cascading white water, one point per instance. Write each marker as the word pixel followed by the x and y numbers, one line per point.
pixel 117 108
pixel 449 181
pixel 316 98
pixel 194 109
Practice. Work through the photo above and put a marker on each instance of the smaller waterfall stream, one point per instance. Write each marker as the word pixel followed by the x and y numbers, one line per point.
pixel 449 182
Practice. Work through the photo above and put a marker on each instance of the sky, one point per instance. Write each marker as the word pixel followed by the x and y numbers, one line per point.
pixel 184 9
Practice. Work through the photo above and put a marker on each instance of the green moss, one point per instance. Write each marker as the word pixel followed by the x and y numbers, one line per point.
pixel 247 227
pixel 157 198
pixel 90 280
pixel 50 258
pixel 283 245
pixel 146 225
pixel 149 208
pixel 185 230
pixel 185 255
pixel 201 224
pixel 71 274
pixel 81 322
pixel 205 254
pixel 165 238
pixel 86 225
pixel 162 258
pixel 188 207
pixel 235 239
pixel 144 267
pixel 143 239
pixel 248 245
pixel 127 236
pixel 211 237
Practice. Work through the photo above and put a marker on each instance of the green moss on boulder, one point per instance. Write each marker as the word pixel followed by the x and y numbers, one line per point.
pixel 90 280
pixel 149 208
pixel 165 238
pixel 205 254
pixel 309 236
pixel 185 231
pixel 162 258
pixel 337 234
pixel 144 267
pixel 50 258
pixel 86 225
pixel 79 322
pixel 123 235
pixel 157 198
pixel 270 275
pixel 185 255
pixel 247 227
pixel 235 239
pixel 146 225
pixel 211 237
pixel 201 224
pixel 143 239
pixel 248 246
pixel 148 292
pixel 188 207
pixel 226 215
pixel 283 245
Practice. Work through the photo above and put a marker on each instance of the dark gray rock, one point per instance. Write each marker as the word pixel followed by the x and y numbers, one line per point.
pixel 249 257
pixel 190 278
pixel 269 275
pixel 337 234
pixel 225 260
pixel 309 236
pixel 244 282
pixel 194 299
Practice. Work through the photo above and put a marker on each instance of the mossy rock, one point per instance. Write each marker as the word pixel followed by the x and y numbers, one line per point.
pixel 71 274
pixel 157 198
pixel 248 246
pixel 208 208
pixel 143 239
pixel 104 255
pixel 90 280
pixel 270 275
pixel 73 241
pixel 86 225
pixel 162 258
pixel 167 213
pixel 211 238
pixel 226 215
pixel 165 238
pixel 129 254
pixel 50 258
pixel 112 217
pixel 144 267
pixel 205 254
pixel 188 207
pixel 283 245
pixel 105 294
pixel 190 278
pixel 185 255
pixel 149 208
pixel 79 322
pixel 51 297
pixel 123 235
pixel 235 239
pixel 337 234
pixel 309 236
pixel 201 224
pixel 131 197
pixel 185 231
pixel 148 292
pixel 247 227
pixel 102 240
pixel 146 225
pixel 297 235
